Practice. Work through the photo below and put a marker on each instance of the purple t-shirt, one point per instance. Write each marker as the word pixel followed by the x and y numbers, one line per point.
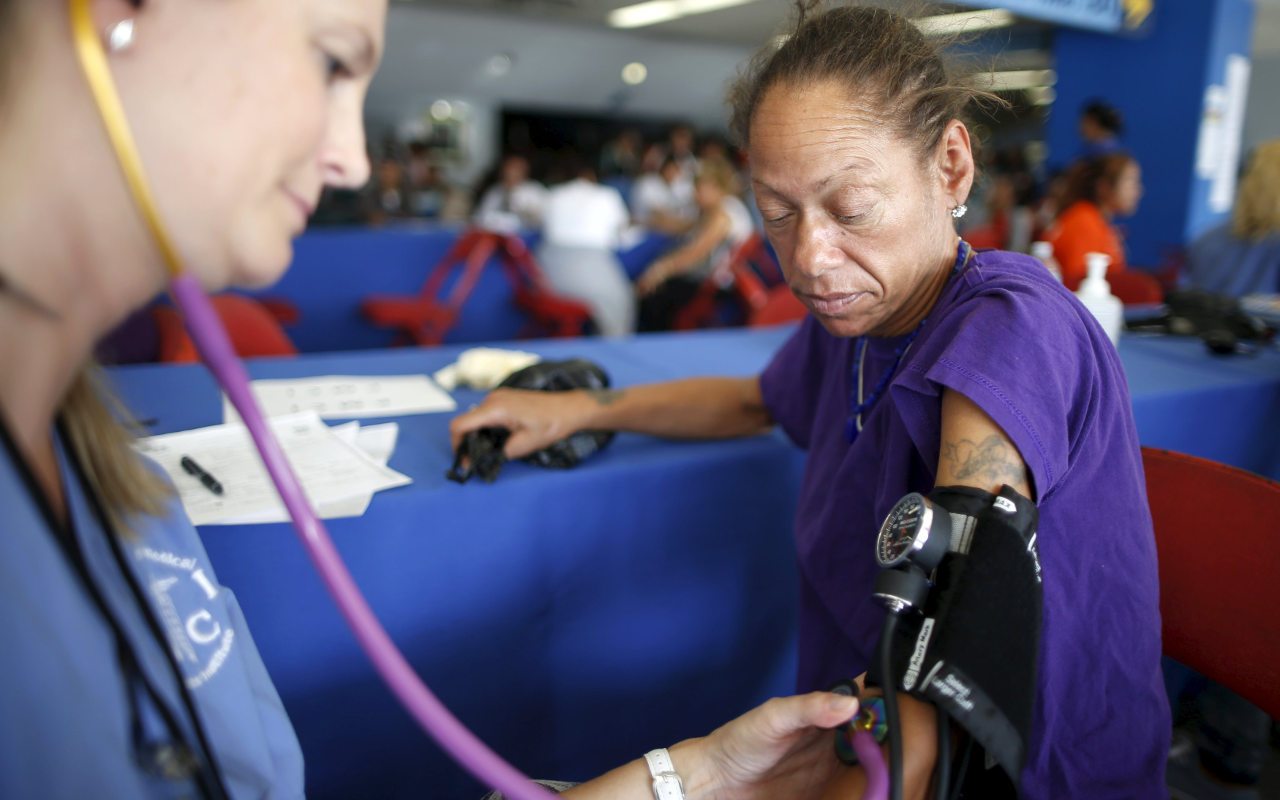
pixel 1015 342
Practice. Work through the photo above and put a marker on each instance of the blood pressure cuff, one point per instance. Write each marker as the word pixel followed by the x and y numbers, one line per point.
pixel 973 652
pixel 480 452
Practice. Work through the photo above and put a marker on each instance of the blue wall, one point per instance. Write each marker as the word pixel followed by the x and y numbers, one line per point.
pixel 1157 80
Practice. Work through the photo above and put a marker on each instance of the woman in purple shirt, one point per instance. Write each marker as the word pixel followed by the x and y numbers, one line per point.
pixel 922 364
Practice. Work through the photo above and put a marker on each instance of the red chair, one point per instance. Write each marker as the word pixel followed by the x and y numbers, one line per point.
pixel 1135 288
pixel 741 274
pixel 780 307
pixel 1218 540
pixel 425 319
pixel 254 330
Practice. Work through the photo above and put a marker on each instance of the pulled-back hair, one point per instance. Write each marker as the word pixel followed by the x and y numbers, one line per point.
pixel 880 56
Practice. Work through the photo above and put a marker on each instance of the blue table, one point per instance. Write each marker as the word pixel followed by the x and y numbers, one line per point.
pixel 576 619
pixel 335 268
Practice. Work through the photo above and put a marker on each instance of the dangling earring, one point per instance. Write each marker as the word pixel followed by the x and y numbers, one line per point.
pixel 120 36
pixel 959 211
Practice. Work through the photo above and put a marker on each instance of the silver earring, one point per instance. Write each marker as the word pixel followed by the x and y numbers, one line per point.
pixel 959 211
pixel 120 36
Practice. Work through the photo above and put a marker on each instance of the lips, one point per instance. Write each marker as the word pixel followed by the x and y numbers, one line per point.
pixel 829 305
pixel 305 208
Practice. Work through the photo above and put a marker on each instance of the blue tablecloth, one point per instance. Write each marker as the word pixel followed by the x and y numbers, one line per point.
pixel 576 619
pixel 334 269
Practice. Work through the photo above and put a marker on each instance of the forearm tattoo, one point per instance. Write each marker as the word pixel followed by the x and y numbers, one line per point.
pixel 993 460
pixel 606 397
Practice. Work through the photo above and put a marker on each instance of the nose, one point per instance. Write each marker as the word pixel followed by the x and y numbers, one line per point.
pixel 813 251
pixel 344 161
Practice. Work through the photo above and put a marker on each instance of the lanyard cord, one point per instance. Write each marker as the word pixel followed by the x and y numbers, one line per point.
pixel 857 404
pixel 209 785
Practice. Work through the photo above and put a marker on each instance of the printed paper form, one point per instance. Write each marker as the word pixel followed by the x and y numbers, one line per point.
pixel 347 397
pixel 376 441
pixel 330 469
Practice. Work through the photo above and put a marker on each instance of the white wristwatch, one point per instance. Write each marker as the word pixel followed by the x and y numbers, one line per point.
pixel 666 783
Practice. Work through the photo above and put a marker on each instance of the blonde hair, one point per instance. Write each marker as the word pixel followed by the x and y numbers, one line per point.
pixel 99 429
pixel 1257 212
pixel 100 433
pixel 718 173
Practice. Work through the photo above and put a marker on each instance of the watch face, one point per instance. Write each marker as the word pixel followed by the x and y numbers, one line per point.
pixel 900 530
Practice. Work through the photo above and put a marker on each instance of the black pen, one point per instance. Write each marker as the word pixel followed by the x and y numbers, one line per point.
pixel 192 468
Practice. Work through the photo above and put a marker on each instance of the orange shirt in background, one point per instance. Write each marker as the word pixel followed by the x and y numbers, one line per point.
pixel 1081 229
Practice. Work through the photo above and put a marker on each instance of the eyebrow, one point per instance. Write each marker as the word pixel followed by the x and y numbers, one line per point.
pixel 856 163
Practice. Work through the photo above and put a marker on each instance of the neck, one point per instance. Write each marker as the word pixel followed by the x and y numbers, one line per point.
pixel 922 301
pixel 70 238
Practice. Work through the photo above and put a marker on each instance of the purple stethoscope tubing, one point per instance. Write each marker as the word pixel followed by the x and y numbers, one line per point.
pixel 452 736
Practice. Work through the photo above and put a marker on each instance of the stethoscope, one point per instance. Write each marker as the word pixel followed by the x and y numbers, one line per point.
pixel 215 350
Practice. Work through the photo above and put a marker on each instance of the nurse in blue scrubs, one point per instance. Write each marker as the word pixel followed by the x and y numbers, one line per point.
pixel 126 669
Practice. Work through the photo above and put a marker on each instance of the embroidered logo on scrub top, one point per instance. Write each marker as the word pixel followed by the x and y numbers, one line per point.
pixel 184 597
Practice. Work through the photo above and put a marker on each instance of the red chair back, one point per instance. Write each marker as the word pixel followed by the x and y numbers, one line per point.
pixel 253 330
pixel 737 274
pixel 1135 288
pixel 1218 539
pixel 425 319
pixel 779 308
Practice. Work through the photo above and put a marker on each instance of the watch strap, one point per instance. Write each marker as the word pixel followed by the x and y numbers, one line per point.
pixel 666 783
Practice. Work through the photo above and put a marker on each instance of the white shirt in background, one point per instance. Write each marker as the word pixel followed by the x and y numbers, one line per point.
pixel 584 214
pixel 521 207
pixel 651 193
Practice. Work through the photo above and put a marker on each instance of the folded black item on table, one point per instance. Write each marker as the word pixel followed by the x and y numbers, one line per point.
pixel 1218 320
pixel 480 452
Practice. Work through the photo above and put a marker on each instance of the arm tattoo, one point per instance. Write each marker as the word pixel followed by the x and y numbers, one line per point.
pixel 606 397
pixel 993 460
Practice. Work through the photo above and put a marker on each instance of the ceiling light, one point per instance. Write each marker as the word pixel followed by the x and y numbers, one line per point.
pixel 499 65
pixel 654 12
pixel 634 73
pixel 965 22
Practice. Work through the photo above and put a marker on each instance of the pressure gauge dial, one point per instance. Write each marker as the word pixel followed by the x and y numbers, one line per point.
pixel 915 531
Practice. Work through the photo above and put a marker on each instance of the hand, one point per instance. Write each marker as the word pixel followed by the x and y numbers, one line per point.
pixel 653 277
pixel 535 419
pixel 783 748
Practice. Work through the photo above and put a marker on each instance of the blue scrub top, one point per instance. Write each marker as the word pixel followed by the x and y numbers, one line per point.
pixel 68 725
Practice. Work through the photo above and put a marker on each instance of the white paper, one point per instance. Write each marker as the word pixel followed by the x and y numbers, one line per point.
pixel 331 470
pixel 378 442
pixel 348 397
pixel 1209 145
pixel 1223 190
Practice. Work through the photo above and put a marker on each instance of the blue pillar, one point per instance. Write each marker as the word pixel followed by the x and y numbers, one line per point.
pixel 1158 81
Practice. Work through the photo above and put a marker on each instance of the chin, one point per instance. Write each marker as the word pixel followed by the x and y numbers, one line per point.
pixel 841 327
pixel 262 267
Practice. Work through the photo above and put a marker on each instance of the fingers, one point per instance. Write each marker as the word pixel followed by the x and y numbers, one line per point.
pixel 785 715
pixel 489 414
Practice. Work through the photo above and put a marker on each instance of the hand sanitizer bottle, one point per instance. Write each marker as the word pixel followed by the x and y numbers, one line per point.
pixel 1043 252
pixel 1096 295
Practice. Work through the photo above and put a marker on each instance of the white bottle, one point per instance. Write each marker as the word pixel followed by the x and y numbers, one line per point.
pixel 1043 252
pixel 1096 295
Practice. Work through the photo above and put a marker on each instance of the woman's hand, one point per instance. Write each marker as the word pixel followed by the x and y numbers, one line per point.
pixel 535 419
pixel 783 748
pixel 653 277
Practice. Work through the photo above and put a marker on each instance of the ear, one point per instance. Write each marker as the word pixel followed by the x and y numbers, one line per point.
pixel 955 163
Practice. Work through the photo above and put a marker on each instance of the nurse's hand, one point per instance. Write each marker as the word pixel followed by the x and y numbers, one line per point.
pixel 782 749
pixel 535 419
